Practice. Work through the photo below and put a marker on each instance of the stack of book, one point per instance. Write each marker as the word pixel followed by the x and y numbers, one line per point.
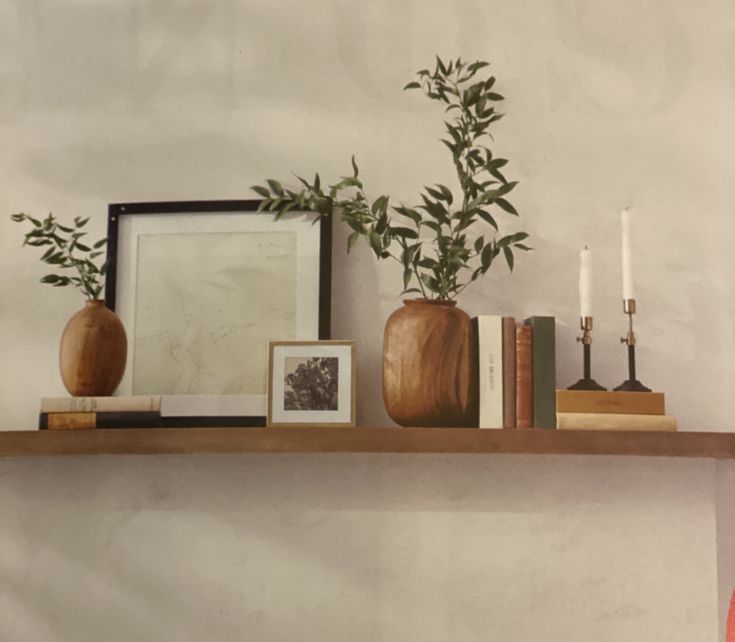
pixel 604 410
pixel 80 413
pixel 517 372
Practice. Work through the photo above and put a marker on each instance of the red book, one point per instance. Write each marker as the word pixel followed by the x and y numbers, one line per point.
pixel 524 376
pixel 509 372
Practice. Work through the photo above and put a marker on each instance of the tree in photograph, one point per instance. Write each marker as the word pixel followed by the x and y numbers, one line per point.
pixel 313 385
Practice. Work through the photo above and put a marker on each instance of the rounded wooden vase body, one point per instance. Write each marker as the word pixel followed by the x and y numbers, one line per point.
pixel 429 365
pixel 93 351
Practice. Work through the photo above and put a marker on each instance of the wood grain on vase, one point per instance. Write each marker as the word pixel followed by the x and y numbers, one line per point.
pixel 93 351
pixel 429 365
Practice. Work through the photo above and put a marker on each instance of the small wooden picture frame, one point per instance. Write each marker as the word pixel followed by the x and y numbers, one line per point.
pixel 311 383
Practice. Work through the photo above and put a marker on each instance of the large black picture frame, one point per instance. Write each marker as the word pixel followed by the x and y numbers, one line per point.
pixel 121 213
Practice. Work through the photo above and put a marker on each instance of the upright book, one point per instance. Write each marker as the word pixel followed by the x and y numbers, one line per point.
pixel 524 376
pixel 489 331
pixel 544 371
pixel 509 372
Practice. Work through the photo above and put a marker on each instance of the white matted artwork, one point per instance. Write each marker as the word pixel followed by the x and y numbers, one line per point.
pixel 201 294
pixel 311 382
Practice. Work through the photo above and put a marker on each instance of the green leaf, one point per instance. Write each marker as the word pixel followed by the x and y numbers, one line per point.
pixel 81 222
pixel 434 208
pixel 434 192
pixel 486 258
pixel 475 66
pixel 506 206
pixel 430 282
pixel 493 96
pixel 352 239
pixel 375 243
pixel 355 171
pixel 380 205
pixel 408 213
pixel 50 278
pixel 407 274
pixel 404 232
pixel 440 65
pixel 381 225
pixel 446 193
pixel 275 186
pixel 412 85
pixel 518 236
pixel 100 243
pixel 508 256
pixel 479 242
pixel 433 226
pixel 260 190
pixel 486 216
pixel 504 189
pixel 285 209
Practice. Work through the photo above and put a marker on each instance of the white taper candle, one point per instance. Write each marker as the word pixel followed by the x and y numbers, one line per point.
pixel 626 220
pixel 585 283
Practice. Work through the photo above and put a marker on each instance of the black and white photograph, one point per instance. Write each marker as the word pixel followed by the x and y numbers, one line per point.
pixel 311 383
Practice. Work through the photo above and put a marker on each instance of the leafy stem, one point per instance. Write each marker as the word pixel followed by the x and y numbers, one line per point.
pixel 67 250
pixel 431 239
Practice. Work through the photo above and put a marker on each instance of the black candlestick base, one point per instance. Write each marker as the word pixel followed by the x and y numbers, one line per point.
pixel 632 385
pixel 586 384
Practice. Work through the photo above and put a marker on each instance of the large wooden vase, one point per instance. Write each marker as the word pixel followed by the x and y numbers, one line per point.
pixel 429 365
pixel 93 351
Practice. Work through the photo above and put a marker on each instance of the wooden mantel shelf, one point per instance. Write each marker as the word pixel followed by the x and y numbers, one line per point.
pixel 364 440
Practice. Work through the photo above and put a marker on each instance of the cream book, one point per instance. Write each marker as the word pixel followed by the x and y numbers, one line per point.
pixel 598 421
pixel 490 361
pixel 130 403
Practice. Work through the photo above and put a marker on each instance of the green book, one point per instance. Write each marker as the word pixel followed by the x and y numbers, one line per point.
pixel 543 351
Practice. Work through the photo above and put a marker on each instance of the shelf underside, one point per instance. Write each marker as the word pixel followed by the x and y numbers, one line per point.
pixel 321 439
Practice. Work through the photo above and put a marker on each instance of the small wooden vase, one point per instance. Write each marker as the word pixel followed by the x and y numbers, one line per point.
pixel 93 351
pixel 429 365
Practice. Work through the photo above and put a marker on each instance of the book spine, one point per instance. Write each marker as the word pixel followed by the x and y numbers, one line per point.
pixel 544 371
pixel 597 421
pixel 135 403
pixel 524 377
pixel 490 363
pixel 599 401
pixel 509 372
pixel 68 420
pixel 92 420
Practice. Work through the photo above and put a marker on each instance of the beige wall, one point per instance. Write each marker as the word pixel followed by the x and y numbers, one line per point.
pixel 608 105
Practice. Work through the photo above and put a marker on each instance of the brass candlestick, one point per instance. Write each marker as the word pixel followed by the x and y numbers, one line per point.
pixel 586 382
pixel 631 384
